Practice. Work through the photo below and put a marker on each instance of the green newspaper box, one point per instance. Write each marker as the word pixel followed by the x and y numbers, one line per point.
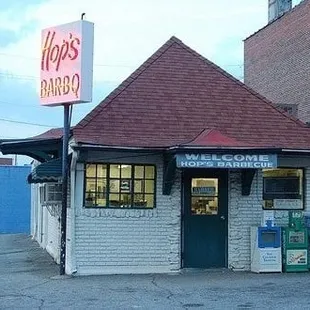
pixel 295 244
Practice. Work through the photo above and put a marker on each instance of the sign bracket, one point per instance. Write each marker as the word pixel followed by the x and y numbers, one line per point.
pixel 247 176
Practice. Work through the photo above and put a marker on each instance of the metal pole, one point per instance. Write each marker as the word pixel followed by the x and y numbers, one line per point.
pixel 63 224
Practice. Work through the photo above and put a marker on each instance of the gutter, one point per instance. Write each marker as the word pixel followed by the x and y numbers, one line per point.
pixel 295 151
pixel 177 148
pixel 75 155
pixel 224 148
pixel 120 148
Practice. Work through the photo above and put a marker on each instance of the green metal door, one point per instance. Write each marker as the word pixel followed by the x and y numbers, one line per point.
pixel 205 218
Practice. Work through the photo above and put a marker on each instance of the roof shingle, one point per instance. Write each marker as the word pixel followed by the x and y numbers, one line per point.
pixel 175 95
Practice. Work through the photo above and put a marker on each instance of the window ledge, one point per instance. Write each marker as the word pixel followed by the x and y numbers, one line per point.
pixel 117 212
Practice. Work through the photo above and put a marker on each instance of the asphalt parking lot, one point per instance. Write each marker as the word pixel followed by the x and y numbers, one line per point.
pixel 29 280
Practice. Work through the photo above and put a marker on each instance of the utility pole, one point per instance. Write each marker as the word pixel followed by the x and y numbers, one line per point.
pixel 65 171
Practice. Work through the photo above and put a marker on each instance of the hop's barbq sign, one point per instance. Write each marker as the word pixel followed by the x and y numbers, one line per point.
pixel 67 63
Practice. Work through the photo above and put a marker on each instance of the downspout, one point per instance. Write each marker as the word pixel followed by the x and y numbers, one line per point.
pixel 75 155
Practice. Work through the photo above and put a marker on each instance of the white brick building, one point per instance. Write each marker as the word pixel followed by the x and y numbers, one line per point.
pixel 170 171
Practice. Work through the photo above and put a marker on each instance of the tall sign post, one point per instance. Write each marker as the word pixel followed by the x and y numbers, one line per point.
pixel 66 79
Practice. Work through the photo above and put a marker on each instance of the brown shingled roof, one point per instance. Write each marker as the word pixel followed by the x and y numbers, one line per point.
pixel 176 95
pixel 54 133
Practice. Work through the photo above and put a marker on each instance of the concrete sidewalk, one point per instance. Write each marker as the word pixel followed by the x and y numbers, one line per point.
pixel 29 281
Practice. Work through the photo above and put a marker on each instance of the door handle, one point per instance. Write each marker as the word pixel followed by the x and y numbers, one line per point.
pixel 223 218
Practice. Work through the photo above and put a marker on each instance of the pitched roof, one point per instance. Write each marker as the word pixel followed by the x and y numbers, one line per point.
pixel 54 133
pixel 42 147
pixel 175 95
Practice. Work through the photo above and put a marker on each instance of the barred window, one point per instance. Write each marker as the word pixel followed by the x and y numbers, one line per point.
pixel 119 186
pixel 51 193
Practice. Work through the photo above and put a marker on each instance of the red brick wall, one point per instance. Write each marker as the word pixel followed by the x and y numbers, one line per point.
pixel 277 60
pixel 6 161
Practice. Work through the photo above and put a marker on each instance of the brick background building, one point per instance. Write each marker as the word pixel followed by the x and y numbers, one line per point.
pixel 277 61
pixel 6 161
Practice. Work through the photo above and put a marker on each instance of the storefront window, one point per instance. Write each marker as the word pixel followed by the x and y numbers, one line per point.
pixel 120 186
pixel 204 196
pixel 283 189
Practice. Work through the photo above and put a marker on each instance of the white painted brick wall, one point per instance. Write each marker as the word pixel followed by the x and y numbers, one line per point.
pixel 142 241
pixel 53 236
pixel 243 212
pixel 246 211
pixel 38 216
pixel 69 243
pixel 46 226
pixel 53 232
pixel 34 211
pixel 129 241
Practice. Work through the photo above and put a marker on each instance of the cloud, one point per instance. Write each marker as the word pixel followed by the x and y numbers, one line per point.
pixel 8 36
pixel 127 32
pixel 18 4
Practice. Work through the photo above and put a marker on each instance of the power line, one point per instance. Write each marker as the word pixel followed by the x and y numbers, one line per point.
pixel 9 137
pixel 37 78
pixel 37 59
pixel 19 105
pixel 102 65
pixel 27 123
pixel 18 76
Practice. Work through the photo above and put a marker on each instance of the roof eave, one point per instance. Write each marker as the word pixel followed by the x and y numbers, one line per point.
pixel 39 149
pixel 277 150
pixel 115 148
pixel 301 151
pixel 223 148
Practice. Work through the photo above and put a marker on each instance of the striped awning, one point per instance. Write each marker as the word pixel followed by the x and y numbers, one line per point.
pixel 50 171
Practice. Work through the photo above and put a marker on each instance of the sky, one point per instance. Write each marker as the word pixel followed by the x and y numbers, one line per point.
pixel 127 32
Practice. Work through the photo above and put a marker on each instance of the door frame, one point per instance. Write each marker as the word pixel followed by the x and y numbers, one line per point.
pixel 209 172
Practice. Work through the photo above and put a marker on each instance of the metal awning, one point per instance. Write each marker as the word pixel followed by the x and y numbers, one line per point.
pixel 50 171
pixel 41 150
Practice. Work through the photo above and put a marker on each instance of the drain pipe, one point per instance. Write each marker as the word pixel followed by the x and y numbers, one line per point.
pixel 75 155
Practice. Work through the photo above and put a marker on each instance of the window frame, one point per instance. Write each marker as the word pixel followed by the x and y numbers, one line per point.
pixel 215 196
pixel 132 180
pixel 302 196
pixel 45 189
